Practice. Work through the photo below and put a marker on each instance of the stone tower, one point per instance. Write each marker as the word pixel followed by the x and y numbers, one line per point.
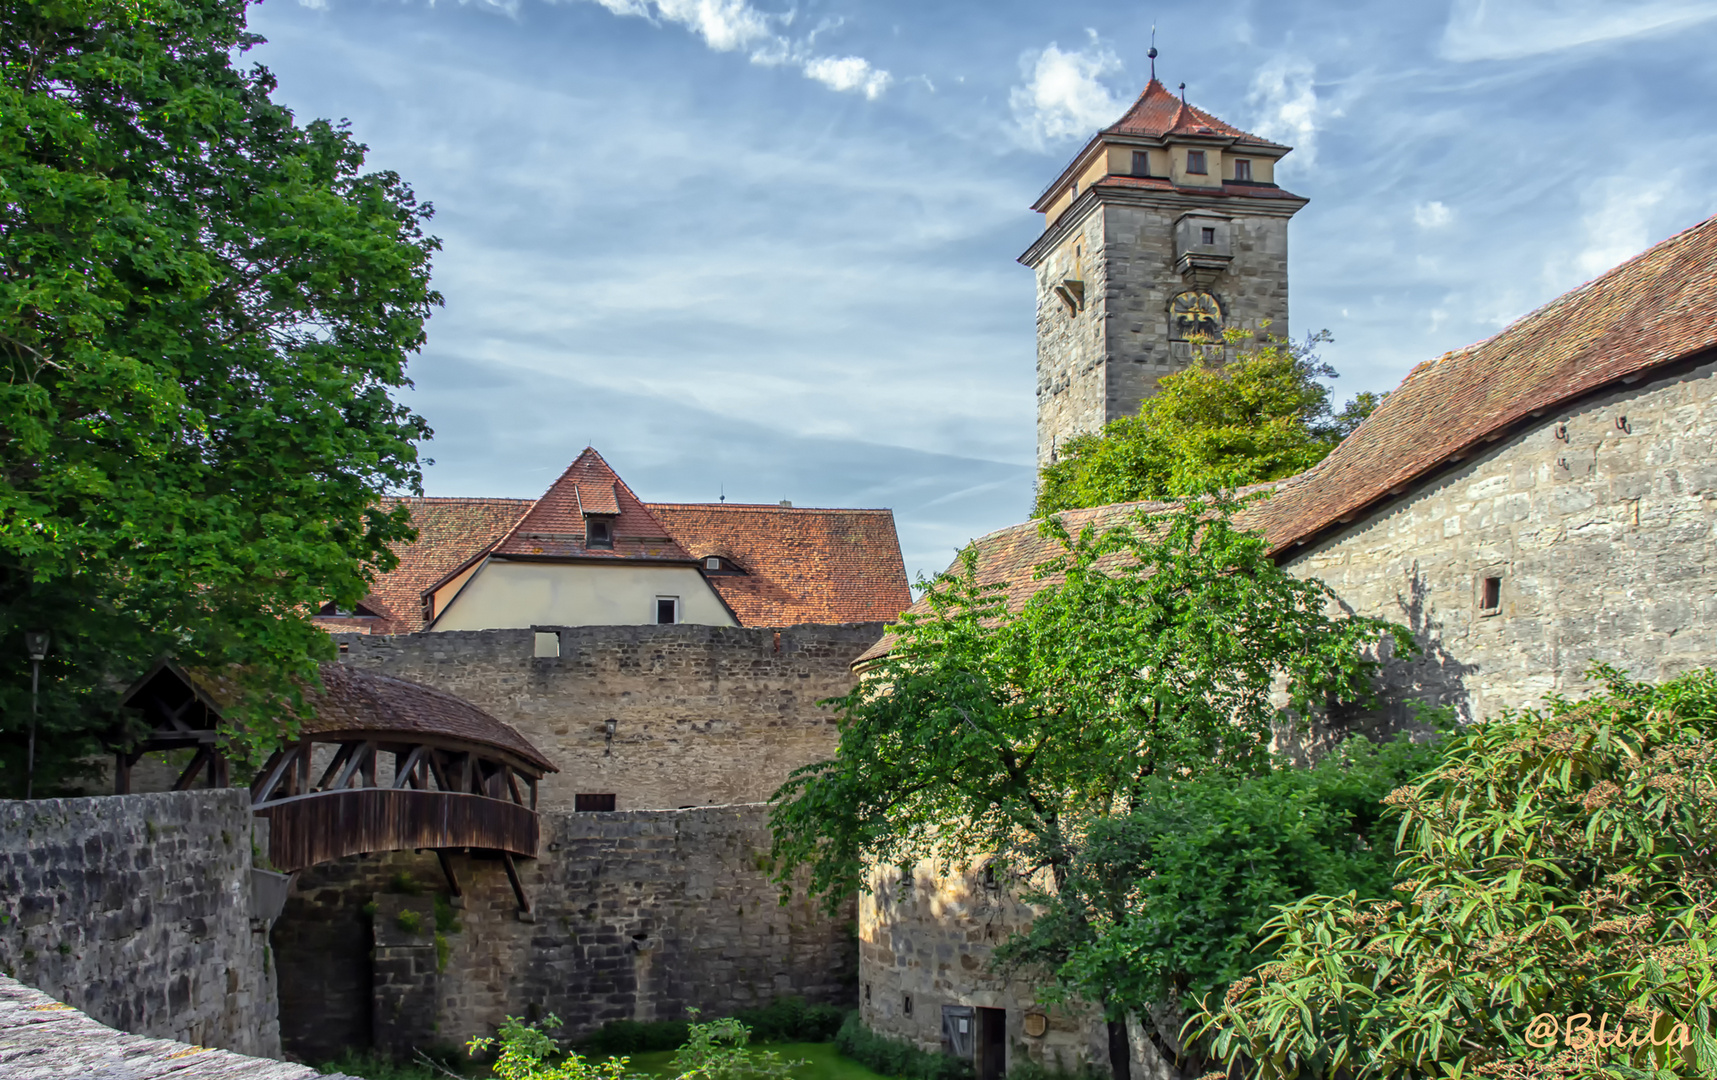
pixel 1166 228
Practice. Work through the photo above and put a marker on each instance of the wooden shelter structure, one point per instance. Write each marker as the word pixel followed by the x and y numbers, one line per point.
pixel 380 764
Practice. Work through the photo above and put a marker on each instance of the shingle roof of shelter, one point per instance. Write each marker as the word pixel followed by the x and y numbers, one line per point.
pixel 801 564
pixel 1651 311
pixel 351 700
pixel 555 525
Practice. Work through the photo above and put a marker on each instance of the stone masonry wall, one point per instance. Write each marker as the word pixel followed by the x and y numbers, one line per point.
pixel 1070 346
pixel 637 915
pixel 1599 522
pixel 704 715
pixel 929 937
pixel 136 910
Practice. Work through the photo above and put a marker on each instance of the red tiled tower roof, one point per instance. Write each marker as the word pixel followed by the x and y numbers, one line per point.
pixel 1159 111
pixel 800 564
pixel 555 526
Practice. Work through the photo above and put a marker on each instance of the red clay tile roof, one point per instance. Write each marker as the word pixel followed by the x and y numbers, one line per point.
pixel 450 533
pixel 1651 311
pixel 802 565
pixel 554 527
pixel 1159 111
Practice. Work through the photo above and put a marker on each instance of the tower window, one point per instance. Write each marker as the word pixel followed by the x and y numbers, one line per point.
pixel 1195 162
pixel 667 610
pixel 1141 163
pixel 1207 236
pixel 1242 169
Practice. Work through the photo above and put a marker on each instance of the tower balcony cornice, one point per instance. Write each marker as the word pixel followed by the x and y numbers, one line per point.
pixel 1264 200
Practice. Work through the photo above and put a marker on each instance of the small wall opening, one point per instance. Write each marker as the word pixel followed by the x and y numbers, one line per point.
pixel 547 644
pixel 1490 595
pixel 593 803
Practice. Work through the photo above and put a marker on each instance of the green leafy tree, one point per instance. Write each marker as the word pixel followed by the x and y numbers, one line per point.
pixel 1261 416
pixel 204 307
pixel 1555 915
pixel 1163 904
pixel 1149 654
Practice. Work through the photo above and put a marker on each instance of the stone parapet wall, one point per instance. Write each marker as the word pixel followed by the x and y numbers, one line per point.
pixel 703 715
pixel 636 916
pixel 1598 522
pixel 136 910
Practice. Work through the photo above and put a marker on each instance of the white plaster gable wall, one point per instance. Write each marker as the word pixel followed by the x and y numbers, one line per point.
pixel 515 595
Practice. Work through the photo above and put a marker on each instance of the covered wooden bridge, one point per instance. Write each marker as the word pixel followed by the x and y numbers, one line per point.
pixel 381 764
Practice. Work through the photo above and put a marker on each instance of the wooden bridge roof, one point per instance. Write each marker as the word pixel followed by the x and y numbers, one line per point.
pixel 354 703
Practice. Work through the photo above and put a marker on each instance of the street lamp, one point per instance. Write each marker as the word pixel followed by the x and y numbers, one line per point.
pixel 36 644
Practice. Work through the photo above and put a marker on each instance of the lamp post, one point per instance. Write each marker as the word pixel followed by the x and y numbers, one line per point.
pixel 36 644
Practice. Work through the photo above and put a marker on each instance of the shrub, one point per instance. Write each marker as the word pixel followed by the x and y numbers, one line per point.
pixel 895 1057
pixel 1559 878
pixel 526 1050
pixel 635 1037
pixel 787 1020
pixel 718 1051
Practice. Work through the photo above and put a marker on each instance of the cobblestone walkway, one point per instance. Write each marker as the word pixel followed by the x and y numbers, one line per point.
pixel 41 1039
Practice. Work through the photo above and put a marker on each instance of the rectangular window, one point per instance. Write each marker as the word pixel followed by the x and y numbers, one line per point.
pixel 712 563
pixel 593 803
pixel 667 610
pixel 1490 596
pixel 1141 163
pixel 1195 162
pixel 598 533
pixel 1207 237
pixel 547 645
pixel 1242 169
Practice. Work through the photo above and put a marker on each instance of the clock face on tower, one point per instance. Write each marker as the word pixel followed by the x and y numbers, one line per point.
pixel 1195 314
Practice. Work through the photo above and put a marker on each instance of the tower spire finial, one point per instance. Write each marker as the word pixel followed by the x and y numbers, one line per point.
pixel 1183 93
pixel 1153 52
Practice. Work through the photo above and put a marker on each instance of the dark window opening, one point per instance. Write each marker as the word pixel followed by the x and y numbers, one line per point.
pixel 593 803
pixel 989 875
pixel 667 610
pixel 1207 237
pixel 1195 162
pixel 1490 594
pixel 598 533
pixel 867 991
pixel 1242 169
pixel 1141 163
pixel 906 1004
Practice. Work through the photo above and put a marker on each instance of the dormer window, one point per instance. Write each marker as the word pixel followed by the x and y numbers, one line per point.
pixel 1243 170
pixel 598 532
pixel 712 563
pixel 1195 163
pixel 1141 163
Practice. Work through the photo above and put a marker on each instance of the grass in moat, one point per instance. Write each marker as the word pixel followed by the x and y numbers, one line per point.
pixel 821 1063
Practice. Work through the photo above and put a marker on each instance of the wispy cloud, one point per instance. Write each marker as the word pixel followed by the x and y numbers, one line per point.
pixel 1432 215
pixel 1063 95
pixel 1512 29
pixel 735 26
pixel 1289 109
pixel 1623 216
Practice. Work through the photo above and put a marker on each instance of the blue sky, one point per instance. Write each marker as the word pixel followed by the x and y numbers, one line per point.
pixel 766 247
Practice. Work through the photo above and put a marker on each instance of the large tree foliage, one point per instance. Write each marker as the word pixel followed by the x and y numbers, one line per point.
pixel 1262 415
pixel 1151 653
pixel 1163 904
pixel 203 309
pixel 1555 915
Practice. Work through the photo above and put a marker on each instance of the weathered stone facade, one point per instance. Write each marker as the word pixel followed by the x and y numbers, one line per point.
pixel 703 715
pixel 927 938
pixel 1597 524
pixel 137 910
pixel 637 915
pixel 1097 363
